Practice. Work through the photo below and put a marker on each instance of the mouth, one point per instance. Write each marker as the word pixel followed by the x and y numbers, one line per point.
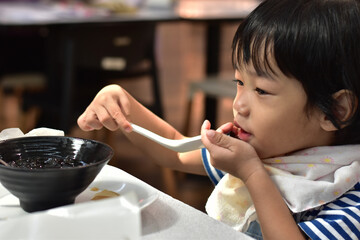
pixel 240 133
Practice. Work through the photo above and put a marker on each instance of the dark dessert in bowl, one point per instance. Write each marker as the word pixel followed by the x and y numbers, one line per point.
pixel 51 171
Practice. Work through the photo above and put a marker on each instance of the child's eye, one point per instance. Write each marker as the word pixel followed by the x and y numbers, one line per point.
pixel 238 82
pixel 261 92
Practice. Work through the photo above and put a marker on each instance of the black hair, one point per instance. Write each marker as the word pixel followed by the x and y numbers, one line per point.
pixel 315 41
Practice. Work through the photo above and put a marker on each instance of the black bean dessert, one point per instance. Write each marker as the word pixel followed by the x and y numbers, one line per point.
pixel 48 162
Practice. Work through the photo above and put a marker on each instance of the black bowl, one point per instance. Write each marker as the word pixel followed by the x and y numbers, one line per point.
pixel 48 187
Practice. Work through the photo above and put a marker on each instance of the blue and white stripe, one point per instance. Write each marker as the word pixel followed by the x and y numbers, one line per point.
pixel 214 174
pixel 337 220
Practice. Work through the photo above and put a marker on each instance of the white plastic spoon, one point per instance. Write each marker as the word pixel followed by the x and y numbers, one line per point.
pixel 182 145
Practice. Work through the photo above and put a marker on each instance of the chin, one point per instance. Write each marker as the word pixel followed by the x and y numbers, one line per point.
pixel 265 155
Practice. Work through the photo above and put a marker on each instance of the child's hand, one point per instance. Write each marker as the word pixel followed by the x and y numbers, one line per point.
pixel 229 129
pixel 230 154
pixel 109 109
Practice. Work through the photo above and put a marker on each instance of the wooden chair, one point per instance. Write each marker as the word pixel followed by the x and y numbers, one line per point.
pixel 212 87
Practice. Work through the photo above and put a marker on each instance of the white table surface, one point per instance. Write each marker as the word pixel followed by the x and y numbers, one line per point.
pixel 165 218
pixel 168 218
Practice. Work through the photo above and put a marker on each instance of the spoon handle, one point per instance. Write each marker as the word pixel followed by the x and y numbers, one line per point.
pixel 146 133
pixel 181 145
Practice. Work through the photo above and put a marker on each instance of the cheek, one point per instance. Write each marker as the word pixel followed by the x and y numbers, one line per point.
pixel 276 132
pixel 284 124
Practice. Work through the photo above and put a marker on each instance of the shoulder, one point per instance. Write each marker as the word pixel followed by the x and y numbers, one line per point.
pixel 339 219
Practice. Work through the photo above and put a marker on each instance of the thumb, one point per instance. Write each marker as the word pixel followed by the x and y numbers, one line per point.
pixel 218 139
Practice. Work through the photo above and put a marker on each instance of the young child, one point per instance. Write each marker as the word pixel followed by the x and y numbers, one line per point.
pixel 288 166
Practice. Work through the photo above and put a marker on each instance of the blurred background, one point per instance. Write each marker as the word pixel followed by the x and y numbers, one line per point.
pixel 36 58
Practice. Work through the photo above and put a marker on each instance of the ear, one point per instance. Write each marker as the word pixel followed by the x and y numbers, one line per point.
pixel 343 109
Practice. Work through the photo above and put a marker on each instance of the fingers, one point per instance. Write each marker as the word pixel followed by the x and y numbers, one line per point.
pixel 218 142
pixel 214 139
pixel 226 128
pixel 205 128
pixel 109 109
pixel 95 119
pixel 217 137
pixel 87 123
pixel 83 124
pixel 110 117
pixel 105 118
pixel 120 112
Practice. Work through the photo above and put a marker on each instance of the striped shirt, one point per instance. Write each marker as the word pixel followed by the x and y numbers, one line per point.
pixel 214 174
pixel 339 219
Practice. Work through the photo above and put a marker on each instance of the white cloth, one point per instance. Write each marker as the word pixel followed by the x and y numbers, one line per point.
pixel 9 133
pixel 306 179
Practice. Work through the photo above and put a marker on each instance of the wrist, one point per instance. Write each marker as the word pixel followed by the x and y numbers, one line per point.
pixel 253 171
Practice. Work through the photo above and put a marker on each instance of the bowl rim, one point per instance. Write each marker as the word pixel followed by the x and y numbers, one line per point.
pixel 10 168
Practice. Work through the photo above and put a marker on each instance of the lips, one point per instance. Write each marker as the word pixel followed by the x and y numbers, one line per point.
pixel 240 133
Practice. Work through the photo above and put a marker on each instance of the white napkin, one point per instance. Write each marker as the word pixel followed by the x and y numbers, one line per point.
pixel 114 218
pixel 9 133
pixel 43 131
pixel 306 179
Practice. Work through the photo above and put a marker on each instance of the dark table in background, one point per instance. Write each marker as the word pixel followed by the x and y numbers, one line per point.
pixel 65 27
pixel 59 49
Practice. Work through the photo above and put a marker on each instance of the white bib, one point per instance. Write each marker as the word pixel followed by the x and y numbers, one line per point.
pixel 306 179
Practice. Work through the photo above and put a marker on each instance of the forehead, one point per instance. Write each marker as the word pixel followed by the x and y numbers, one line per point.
pixel 271 72
pixel 258 57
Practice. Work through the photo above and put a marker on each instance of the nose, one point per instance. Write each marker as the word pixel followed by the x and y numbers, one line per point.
pixel 241 103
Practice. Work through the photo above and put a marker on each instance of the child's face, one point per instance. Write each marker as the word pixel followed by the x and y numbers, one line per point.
pixel 270 111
